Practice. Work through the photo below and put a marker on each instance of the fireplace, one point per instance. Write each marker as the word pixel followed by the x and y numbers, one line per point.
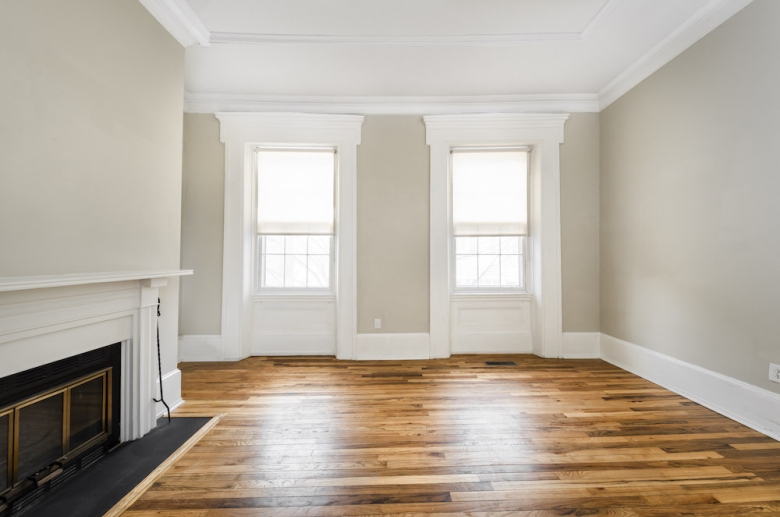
pixel 63 398
pixel 56 419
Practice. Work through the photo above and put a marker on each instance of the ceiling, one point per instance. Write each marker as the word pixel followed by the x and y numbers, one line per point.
pixel 396 17
pixel 578 55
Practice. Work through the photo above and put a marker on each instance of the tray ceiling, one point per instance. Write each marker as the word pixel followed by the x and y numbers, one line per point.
pixel 397 17
pixel 259 54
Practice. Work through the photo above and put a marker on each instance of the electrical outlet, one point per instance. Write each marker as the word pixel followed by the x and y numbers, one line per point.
pixel 378 323
pixel 774 372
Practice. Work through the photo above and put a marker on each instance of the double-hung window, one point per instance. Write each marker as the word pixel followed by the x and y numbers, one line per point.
pixel 295 218
pixel 489 218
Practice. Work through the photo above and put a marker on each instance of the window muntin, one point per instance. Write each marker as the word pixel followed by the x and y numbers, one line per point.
pixel 489 219
pixel 295 218
pixel 490 262
pixel 295 261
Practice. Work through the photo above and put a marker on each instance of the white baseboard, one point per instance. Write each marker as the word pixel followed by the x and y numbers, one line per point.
pixel 750 405
pixel 581 345
pixel 200 348
pixel 171 390
pixel 393 346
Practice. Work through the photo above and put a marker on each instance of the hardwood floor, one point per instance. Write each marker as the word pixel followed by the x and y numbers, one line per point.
pixel 319 437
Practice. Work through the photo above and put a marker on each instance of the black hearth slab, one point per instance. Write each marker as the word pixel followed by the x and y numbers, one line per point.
pixel 97 489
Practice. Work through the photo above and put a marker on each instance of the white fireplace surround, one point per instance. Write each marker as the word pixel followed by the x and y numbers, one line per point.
pixel 48 318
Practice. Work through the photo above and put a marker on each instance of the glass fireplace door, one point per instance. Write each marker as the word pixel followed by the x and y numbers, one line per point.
pixel 52 426
pixel 39 425
pixel 6 446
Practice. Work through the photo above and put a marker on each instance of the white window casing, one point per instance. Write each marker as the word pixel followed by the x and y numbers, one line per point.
pixel 243 133
pixel 498 322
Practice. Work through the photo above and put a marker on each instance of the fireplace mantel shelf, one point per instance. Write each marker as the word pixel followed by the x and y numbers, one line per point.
pixel 21 283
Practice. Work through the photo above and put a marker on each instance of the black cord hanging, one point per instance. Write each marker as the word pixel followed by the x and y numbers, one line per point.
pixel 159 365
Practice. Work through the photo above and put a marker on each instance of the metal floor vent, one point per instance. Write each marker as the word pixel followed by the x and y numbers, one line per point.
pixel 500 363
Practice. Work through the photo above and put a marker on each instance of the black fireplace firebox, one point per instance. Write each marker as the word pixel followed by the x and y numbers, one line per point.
pixel 55 420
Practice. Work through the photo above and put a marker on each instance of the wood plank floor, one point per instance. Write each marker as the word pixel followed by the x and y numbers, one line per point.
pixel 319 437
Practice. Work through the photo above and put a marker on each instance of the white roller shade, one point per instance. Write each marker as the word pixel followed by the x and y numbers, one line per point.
pixel 295 192
pixel 490 192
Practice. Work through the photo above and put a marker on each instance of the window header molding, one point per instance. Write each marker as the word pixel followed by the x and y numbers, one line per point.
pixel 256 123
pixel 436 125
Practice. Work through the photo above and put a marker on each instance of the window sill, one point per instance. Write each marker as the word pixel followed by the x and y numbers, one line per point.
pixel 300 296
pixel 461 296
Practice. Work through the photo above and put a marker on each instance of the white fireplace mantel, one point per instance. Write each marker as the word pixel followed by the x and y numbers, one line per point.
pixel 48 318
pixel 21 283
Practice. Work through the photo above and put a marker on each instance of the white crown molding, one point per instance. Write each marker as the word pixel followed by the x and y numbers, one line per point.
pixel 421 40
pixel 445 105
pixel 21 283
pixel 417 40
pixel 605 11
pixel 178 18
pixel 699 25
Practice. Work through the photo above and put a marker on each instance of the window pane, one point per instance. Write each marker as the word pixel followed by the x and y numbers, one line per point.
pixel 498 260
pixel 274 244
pixel 489 271
pixel 510 245
pixel 4 481
pixel 274 271
pixel 466 245
pixel 319 271
pixel 510 271
pixel 303 261
pixel 319 245
pixel 466 271
pixel 296 245
pixel 295 271
pixel 489 245
pixel 295 191
pixel 489 192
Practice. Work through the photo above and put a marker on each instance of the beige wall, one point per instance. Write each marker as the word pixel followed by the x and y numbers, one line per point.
pixel 580 223
pixel 393 225
pixel 203 194
pixel 689 203
pixel 393 204
pixel 90 142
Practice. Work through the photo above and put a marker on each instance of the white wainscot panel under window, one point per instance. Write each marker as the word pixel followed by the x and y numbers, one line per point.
pixel 491 324
pixel 290 325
